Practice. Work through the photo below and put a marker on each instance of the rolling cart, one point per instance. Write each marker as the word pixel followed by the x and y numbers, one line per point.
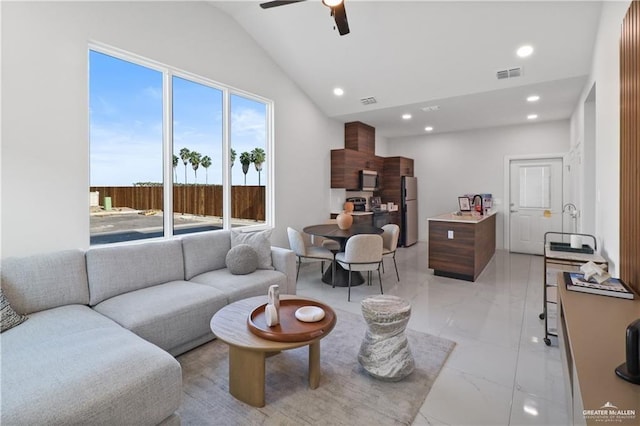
pixel 560 257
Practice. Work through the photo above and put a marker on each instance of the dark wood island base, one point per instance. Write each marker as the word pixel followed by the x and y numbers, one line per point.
pixel 461 246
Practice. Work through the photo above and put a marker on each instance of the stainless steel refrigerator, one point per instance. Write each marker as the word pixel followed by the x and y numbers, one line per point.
pixel 409 205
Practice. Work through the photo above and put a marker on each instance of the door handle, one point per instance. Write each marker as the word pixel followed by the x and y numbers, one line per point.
pixel 514 211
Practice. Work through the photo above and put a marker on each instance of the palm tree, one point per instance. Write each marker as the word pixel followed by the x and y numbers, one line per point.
pixel 175 165
pixel 257 158
pixel 195 159
pixel 206 163
pixel 245 160
pixel 233 157
pixel 184 155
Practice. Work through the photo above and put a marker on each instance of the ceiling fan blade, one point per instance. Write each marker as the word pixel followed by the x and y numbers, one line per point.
pixel 271 4
pixel 340 15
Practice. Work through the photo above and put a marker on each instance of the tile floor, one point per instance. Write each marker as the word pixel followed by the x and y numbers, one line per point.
pixel 501 372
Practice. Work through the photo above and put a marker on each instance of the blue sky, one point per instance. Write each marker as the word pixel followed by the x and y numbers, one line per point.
pixel 126 126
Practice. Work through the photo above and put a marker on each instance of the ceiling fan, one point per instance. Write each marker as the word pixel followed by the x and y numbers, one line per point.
pixel 337 11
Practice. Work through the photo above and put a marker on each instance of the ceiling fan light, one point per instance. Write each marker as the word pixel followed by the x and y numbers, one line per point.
pixel 331 3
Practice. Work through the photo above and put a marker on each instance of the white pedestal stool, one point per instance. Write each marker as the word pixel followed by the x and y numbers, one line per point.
pixel 384 352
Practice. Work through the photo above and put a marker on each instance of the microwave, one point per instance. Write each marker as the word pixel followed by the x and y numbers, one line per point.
pixel 368 180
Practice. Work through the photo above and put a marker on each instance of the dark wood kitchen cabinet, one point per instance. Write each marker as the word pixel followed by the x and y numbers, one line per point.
pixel 358 154
pixel 345 167
pixel 379 167
pixel 394 169
pixel 461 246
pixel 360 137
pixel 398 166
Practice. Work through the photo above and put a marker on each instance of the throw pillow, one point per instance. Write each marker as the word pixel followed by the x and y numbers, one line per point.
pixel 8 317
pixel 259 241
pixel 242 260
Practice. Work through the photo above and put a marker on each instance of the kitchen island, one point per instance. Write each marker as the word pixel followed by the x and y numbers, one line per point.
pixel 460 246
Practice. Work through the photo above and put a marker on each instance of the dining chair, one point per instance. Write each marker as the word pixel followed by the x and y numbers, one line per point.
pixel 363 252
pixel 390 238
pixel 309 252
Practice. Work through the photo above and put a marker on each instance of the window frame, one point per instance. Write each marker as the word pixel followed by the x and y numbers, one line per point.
pixel 168 72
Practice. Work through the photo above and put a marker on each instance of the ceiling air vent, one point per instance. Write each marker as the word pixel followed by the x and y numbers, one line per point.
pixel 509 73
pixel 368 101
pixel 430 108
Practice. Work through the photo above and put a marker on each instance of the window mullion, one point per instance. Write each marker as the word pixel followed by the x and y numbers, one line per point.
pixel 270 193
pixel 167 149
pixel 226 150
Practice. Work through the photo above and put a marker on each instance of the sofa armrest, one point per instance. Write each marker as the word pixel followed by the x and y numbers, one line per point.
pixel 284 260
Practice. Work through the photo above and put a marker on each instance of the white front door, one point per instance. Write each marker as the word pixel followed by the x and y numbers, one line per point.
pixel 536 203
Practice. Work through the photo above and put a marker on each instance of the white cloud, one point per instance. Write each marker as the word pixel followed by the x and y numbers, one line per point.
pixel 154 93
pixel 248 124
pixel 124 155
pixel 105 107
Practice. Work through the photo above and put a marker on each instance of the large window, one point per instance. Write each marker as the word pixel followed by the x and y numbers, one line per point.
pixel 248 144
pixel 197 156
pixel 173 153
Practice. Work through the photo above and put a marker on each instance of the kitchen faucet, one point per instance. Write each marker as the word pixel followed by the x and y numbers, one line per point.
pixel 474 203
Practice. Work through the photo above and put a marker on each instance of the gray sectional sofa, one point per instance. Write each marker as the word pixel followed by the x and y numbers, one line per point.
pixel 104 326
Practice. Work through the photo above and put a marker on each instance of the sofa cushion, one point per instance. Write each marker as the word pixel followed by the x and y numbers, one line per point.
pixel 242 260
pixel 284 260
pixel 237 287
pixel 121 269
pixel 260 243
pixel 71 365
pixel 45 281
pixel 168 315
pixel 8 317
pixel 205 251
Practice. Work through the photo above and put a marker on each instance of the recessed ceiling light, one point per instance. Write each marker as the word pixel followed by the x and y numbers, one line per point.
pixel 524 51
pixel 428 129
pixel 406 116
pixel 332 3
pixel 338 91
pixel 532 116
pixel 533 98
pixel 530 409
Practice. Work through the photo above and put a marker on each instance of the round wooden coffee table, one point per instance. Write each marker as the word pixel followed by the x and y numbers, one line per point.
pixel 247 351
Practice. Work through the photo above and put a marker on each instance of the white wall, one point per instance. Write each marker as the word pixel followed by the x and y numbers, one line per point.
pixel 605 73
pixel 45 110
pixel 451 164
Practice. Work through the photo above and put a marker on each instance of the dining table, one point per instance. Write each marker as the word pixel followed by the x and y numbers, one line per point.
pixel 333 232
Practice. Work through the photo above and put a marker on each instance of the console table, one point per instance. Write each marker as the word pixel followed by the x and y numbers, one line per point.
pixel 591 335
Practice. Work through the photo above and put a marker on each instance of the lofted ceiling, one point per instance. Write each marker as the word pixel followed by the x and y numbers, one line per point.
pixel 409 55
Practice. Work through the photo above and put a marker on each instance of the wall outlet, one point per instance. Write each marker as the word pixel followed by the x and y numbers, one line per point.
pixel 450 235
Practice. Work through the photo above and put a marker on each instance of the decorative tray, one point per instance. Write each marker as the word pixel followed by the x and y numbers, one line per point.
pixel 290 328
pixel 567 247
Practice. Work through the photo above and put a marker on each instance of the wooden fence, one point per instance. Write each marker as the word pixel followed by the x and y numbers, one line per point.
pixel 247 202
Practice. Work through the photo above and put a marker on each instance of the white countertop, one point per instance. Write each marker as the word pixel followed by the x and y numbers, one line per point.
pixel 466 218
pixel 366 212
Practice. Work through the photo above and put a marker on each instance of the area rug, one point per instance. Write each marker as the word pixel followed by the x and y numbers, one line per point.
pixel 346 395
